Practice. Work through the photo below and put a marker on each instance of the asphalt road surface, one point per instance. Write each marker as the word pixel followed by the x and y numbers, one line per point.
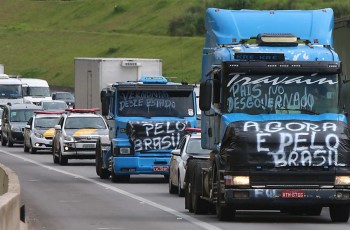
pixel 73 197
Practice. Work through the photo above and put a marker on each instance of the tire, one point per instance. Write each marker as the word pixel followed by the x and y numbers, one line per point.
pixel 32 149
pixel 103 173
pixel 25 148
pixel 223 212
pixel 3 140
pixel 339 213
pixel 180 190
pixel 172 188
pixel 62 160
pixel 119 178
pixel 55 158
pixel 199 205
pixel 10 143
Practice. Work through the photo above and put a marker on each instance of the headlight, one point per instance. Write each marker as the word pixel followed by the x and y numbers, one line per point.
pixel 104 139
pixel 39 135
pixel 68 138
pixel 237 180
pixel 342 180
pixel 124 150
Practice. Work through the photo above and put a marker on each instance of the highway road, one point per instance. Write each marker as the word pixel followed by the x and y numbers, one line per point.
pixel 73 197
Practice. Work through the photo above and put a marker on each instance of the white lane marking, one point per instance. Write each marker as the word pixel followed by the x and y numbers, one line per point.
pixel 190 219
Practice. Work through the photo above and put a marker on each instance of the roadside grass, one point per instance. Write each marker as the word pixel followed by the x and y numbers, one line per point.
pixel 42 38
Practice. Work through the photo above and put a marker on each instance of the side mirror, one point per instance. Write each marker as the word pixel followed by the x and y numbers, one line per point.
pixel 27 127
pixel 104 102
pixel 58 127
pixel 205 95
pixel 176 152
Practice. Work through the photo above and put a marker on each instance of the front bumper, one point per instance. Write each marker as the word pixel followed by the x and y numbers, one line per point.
pixel 141 165
pixel 17 137
pixel 273 198
pixel 41 143
pixel 79 150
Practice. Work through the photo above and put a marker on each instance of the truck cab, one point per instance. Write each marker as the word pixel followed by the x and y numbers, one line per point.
pixel 147 119
pixel 273 115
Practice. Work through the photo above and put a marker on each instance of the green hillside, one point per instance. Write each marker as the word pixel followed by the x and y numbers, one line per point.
pixel 41 38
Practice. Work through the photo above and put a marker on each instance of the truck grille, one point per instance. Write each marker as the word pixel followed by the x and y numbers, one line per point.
pixel 300 177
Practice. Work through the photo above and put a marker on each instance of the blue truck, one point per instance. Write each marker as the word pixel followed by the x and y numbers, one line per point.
pixel 147 119
pixel 274 108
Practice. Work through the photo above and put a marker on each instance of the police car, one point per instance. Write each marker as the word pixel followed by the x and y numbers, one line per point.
pixel 39 131
pixel 189 147
pixel 76 135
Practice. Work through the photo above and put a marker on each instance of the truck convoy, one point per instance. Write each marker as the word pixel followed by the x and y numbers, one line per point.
pixel 274 114
pixel 147 118
pixel 91 75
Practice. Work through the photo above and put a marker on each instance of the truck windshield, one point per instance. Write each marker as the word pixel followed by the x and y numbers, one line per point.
pixel 261 94
pixel 155 103
pixel 10 91
pixel 36 91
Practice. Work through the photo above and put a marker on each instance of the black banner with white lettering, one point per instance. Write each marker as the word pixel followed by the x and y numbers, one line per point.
pixel 156 135
pixel 286 143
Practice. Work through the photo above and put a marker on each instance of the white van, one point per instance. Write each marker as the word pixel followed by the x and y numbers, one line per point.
pixel 10 90
pixel 35 90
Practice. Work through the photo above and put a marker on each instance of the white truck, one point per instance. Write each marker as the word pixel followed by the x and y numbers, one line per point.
pixel 91 75
pixel 10 90
pixel 35 90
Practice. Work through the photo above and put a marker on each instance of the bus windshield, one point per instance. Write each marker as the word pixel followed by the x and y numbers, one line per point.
pixel 10 91
pixel 261 94
pixel 155 103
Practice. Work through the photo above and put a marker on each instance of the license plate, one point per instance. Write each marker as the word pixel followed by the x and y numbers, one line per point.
pixel 160 168
pixel 88 145
pixel 292 194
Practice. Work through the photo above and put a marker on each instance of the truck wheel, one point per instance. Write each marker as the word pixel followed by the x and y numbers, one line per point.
pixel 119 178
pixel 199 205
pixel 103 173
pixel 223 212
pixel 339 213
